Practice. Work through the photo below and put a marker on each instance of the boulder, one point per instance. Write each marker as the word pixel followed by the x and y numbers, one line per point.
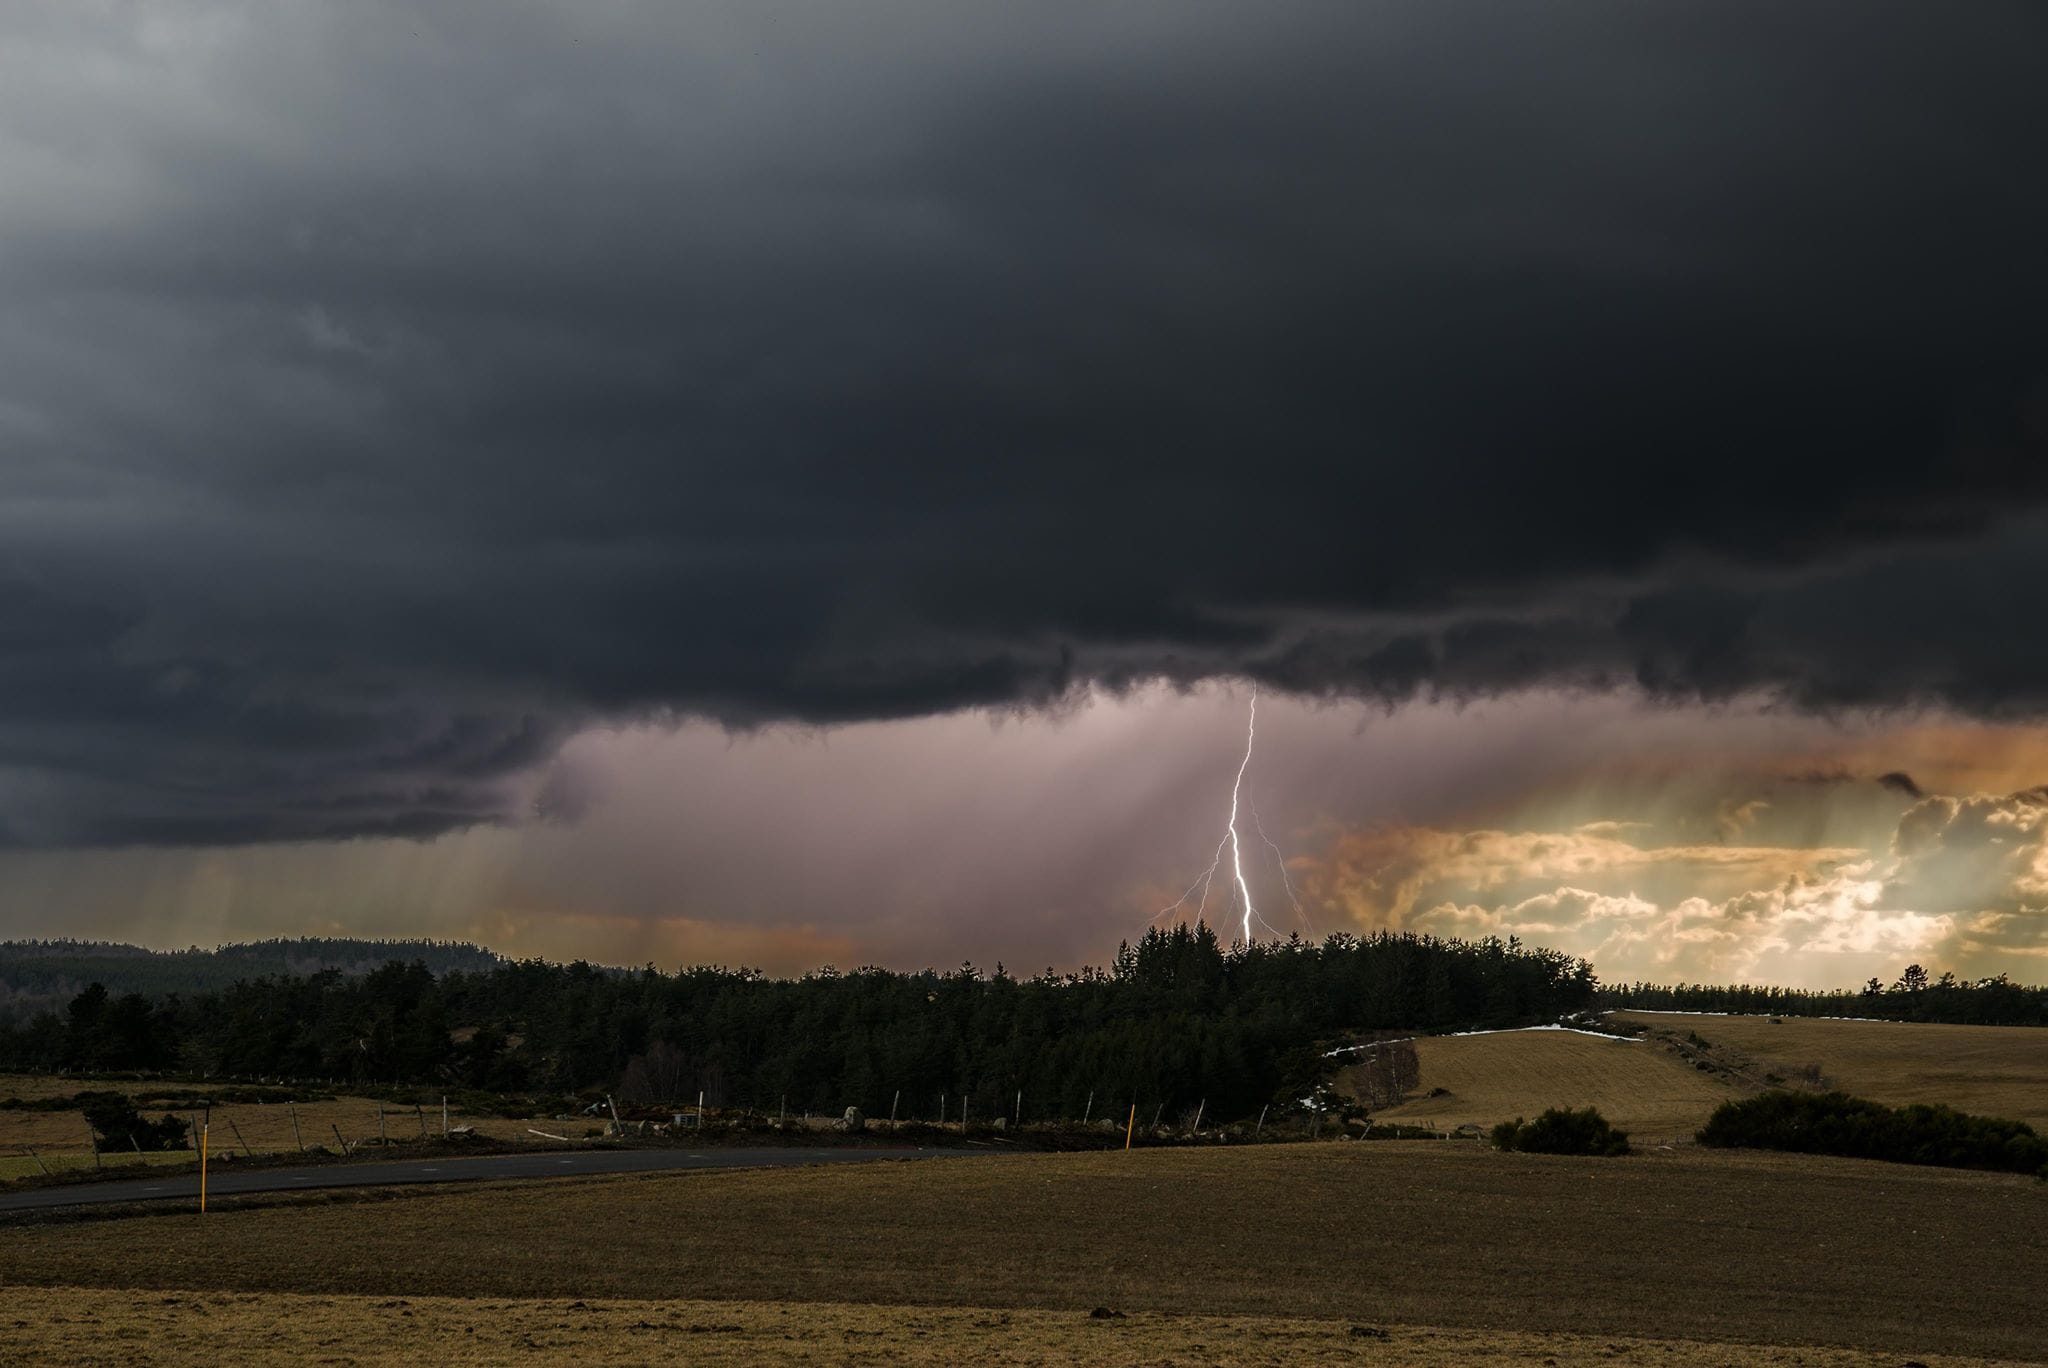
pixel 853 1122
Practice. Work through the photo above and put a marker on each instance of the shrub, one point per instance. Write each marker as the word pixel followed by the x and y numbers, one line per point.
pixel 1836 1123
pixel 1561 1130
pixel 118 1125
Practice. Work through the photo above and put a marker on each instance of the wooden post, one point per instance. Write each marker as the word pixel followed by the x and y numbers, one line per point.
pixel 381 1139
pixel 942 1109
pixel 337 1137
pixel 202 1165
pixel 444 1116
pixel 1089 1111
pixel 1017 1116
pixel 297 1138
pixel 133 1143
pixel 238 1138
pixel 1156 1113
pixel 95 1135
pixel 615 1110
pixel 700 1109
pixel 421 1113
pixel 1262 1122
pixel 892 1105
pixel 1318 1129
pixel 782 1112
pixel 1199 1109
pixel 1130 1125
pixel 39 1162
pixel 963 1113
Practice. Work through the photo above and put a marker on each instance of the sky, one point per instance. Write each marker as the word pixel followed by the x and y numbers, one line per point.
pixel 793 484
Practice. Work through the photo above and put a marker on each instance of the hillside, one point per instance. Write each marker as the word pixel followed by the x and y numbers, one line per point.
pixel 43 975
pixel 1648 1091
pixel 1663 1087
pixel 1994 1070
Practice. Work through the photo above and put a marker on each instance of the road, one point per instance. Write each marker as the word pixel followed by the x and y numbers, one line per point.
pixel 224 1181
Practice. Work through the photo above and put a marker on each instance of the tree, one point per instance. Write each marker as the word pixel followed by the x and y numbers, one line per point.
pixel 1914 980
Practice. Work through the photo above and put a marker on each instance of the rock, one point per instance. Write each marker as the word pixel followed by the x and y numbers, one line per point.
pixel 1104 1313
pixel 1001 1123
pixel 853 1122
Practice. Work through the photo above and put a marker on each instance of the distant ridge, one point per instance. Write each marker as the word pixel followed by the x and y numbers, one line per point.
pixel 37 975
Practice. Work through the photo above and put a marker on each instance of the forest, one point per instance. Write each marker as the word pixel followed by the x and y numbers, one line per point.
pixel 1176 1019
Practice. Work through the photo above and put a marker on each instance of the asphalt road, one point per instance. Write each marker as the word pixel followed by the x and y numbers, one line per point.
pixel 225 1181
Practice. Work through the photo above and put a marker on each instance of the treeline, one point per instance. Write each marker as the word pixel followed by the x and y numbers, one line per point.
pixel 1175 1020
pixel 38 975
pixel 1914 996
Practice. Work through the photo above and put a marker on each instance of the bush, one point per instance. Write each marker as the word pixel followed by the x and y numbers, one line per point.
pixel 1561 1130
pixel 1836 1123
pixel 118 1125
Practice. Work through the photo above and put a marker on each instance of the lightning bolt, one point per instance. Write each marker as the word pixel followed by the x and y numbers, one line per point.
pixel 1242 889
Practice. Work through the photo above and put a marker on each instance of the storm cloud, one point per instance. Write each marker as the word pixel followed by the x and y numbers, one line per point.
pixel 388 392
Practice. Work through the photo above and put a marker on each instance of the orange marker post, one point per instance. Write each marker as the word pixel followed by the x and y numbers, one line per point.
pixel 1130 1125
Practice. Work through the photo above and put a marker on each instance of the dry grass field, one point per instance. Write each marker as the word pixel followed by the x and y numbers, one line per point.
pixel 263 1127
pixel 77 1326
pixel 1647 1091
pixel 1708 1246
pixel 1994 1070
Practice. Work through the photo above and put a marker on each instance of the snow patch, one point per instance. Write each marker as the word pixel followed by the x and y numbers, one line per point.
pixel 1506 1030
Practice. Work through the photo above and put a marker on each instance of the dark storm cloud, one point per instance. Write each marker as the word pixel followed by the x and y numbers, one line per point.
pixel 387 391
pixel 1901 782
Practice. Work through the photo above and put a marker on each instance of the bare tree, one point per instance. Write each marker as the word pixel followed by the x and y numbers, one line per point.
pixel 1388 1072
pixel 662 1074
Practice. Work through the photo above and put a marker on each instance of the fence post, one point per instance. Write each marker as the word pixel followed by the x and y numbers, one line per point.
pixel 95 1143
pixel 39 1161
pixel 444 1116
pixel 1262 1122
pixel 337 1137
pixel 1017 1117
pixel 1199 1109
pixel 380 1124
pixel 238 1139
pixel 203 1133
pixel 297 1138
pixel 892 1105
pixel 421 1112
pixel 1088 1111
pixel 700 1109
pixel 1157 1112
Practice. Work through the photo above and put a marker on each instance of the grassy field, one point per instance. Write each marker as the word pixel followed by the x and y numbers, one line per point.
pixel 89 1326
pixel 1683 1245
pixel 1647 1091
pixel 1995 1070
pixel 1653 1090
pixel 263 1127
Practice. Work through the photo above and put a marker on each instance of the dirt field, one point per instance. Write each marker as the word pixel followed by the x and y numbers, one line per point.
pixel 1994 1070
pixel 88 1326
pixel 1687 1244
pixel 1647 1091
